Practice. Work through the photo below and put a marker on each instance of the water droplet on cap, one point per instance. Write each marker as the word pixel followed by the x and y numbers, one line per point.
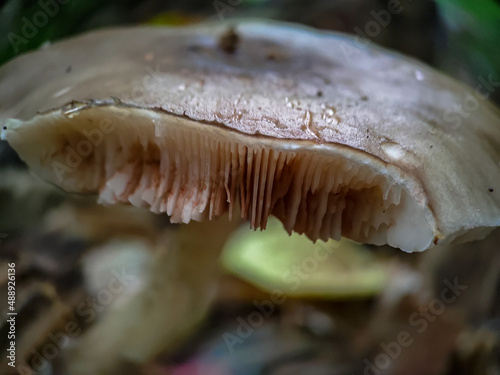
pixel 393 150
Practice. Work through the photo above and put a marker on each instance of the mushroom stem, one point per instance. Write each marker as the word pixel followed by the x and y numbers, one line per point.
pixel 181 285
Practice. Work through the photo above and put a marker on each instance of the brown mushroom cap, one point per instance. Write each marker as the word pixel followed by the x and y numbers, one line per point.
pixel 330 137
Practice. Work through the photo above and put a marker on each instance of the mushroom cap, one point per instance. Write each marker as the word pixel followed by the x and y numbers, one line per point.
pixel 331 136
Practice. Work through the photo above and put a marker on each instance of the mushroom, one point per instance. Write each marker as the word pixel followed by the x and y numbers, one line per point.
pixel 332 139
pixel 260 119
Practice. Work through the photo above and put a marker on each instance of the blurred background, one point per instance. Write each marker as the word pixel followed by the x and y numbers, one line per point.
pixel 86 300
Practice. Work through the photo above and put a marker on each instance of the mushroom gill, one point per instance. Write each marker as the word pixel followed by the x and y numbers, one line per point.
pixel 195 171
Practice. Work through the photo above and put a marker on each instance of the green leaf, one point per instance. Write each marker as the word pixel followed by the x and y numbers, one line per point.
pixel 293 265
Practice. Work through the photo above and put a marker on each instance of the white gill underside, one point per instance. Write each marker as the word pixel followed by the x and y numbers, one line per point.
pixel 194 171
